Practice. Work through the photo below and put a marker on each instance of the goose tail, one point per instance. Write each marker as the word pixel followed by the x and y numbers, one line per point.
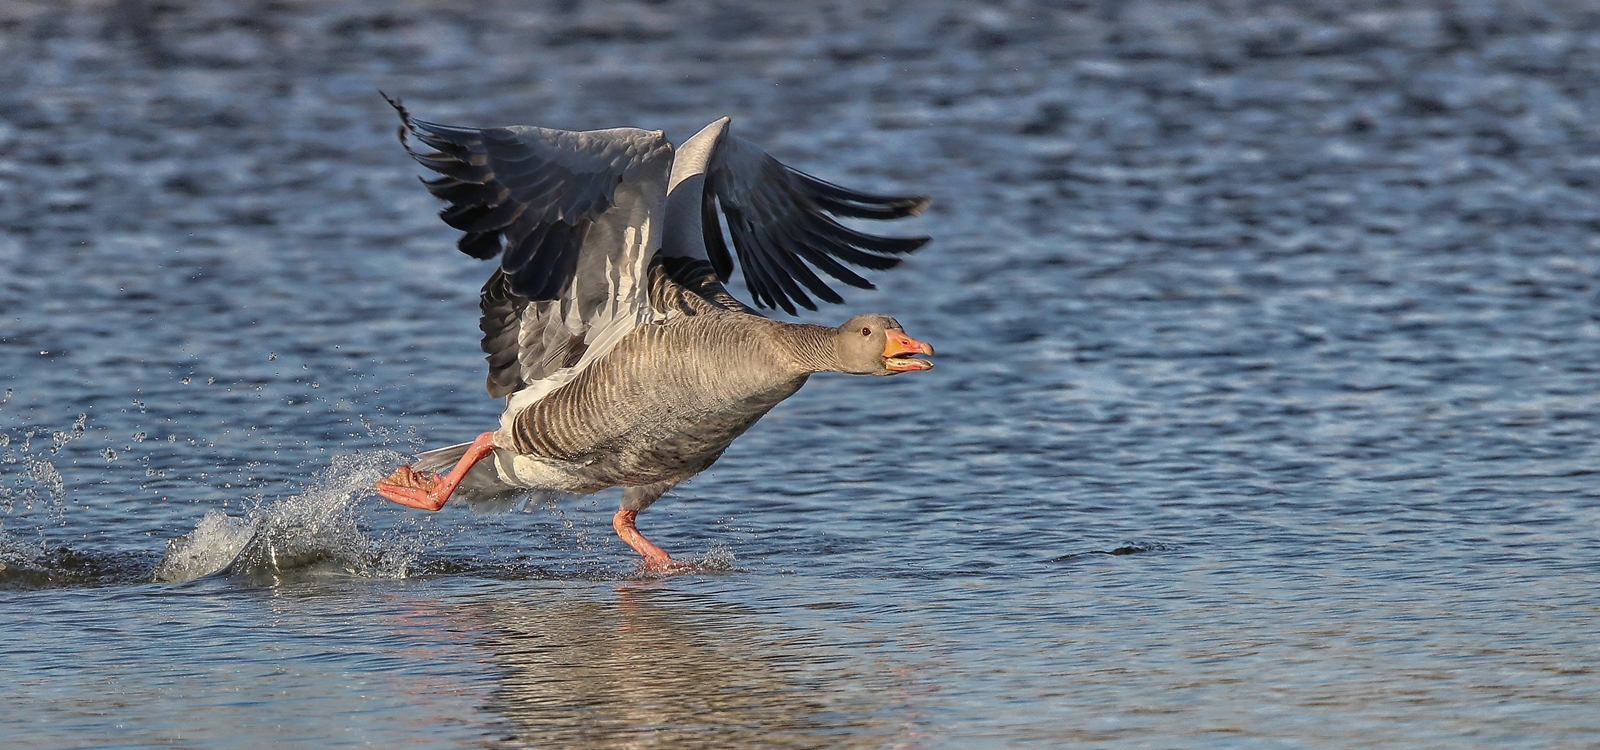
pixel 482 489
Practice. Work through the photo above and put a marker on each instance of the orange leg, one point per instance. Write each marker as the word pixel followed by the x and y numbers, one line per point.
pixel 656 559
pixel 429 491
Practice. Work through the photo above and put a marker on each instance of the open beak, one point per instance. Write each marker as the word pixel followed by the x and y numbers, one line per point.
pixel 898 347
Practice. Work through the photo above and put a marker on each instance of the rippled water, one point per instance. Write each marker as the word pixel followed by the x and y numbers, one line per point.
pixel 1265 412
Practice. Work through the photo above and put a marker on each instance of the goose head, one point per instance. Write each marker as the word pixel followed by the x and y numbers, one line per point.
pixel 876 345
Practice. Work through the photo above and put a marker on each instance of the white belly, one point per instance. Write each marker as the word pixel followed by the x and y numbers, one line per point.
pixel 535 473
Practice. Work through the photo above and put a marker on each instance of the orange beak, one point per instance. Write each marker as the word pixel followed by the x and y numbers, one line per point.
pixel 898 346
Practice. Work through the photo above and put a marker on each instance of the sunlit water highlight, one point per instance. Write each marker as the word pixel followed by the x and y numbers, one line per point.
pixel 1264 416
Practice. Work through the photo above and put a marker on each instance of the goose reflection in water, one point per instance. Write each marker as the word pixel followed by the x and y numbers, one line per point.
pixel 644 670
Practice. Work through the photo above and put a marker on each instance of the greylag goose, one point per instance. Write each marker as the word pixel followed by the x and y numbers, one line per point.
pixel 623 359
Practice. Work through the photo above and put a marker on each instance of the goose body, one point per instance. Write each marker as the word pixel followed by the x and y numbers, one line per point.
pixel 623 359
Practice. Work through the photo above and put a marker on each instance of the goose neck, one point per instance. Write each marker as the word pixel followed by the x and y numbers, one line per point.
pixel 813 347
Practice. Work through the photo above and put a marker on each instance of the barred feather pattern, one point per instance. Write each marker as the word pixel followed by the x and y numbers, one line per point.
pixel 650 411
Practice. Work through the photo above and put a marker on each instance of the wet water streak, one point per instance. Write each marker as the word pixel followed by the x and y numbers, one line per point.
pixel 1264 415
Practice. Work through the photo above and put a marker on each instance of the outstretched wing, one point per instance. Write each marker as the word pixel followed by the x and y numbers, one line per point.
pixel 570 216
pixel 529 195
pixel 780 220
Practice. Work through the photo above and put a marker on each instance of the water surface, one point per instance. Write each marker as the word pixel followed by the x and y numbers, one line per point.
pixel 1264 416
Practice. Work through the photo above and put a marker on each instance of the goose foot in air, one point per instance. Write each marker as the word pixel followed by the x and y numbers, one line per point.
pixel 429 491
pixel 656 559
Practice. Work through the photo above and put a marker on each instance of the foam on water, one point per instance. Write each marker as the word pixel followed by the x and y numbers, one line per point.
pixel 313 531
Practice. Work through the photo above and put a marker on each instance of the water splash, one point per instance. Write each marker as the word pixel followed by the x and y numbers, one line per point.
pixel 18 554
pixel 30 483
pixel 719 558
pixel 314 531
pixel 213 545
pixel 27 476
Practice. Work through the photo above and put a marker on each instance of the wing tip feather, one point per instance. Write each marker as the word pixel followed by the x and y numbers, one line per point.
pixel 782 224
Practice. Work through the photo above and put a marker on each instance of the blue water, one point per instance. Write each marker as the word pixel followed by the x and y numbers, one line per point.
pixel 1264 416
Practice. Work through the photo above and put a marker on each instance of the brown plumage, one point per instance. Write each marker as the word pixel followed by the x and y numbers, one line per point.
pixel 623 358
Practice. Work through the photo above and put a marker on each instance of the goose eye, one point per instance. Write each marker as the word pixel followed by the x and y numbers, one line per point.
pixel 866 331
